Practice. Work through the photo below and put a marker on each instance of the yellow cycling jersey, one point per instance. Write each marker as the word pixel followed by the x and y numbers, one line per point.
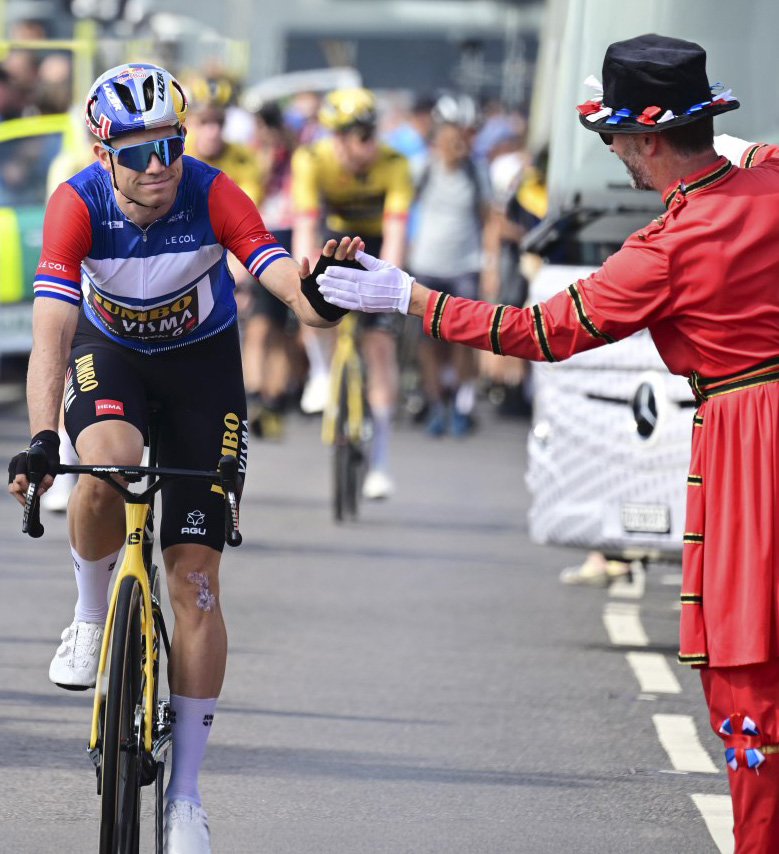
pixel 240 165
pixel 351 204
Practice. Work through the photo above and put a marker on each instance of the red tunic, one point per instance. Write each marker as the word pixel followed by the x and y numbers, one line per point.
pixel 704 279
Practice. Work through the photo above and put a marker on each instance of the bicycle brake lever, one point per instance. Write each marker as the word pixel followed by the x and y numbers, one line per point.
pixel 228 469
pixel 36 471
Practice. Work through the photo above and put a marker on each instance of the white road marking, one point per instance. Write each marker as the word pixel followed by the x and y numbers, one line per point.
pixel 624 625
pixel 679 737
pixel 671 580
pixel 633 589
pixel 653 673
pixel 717 812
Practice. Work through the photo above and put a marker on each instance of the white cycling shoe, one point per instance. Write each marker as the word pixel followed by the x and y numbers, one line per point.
pixel 186 828
pixel 74 665
pixel 316 393
pixel 377 485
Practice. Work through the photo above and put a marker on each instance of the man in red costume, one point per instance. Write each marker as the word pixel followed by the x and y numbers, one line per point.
pixel 703 279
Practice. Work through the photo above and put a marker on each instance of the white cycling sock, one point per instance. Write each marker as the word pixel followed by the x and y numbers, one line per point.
pixel 192 721
pixel 466 397
pixel 382 426
pixel 93 578
pixel 318 361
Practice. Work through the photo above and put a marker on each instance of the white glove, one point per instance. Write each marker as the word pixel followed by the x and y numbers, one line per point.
pixel 731 147
pixel 381 287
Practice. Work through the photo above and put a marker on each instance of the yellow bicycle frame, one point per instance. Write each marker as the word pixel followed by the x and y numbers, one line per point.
pixel 345 358
pixel 132 566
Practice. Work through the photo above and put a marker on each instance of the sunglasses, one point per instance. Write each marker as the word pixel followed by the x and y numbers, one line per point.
pixel 607 138
pixel 136 157
pixel 360 131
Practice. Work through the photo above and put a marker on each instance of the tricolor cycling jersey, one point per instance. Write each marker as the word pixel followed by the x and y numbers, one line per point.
pixel 163 286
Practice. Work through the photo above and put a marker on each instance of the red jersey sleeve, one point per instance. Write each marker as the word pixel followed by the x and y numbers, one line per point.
pixel 67 239
pixel 629 292
pixel 238 226
pixel 756 154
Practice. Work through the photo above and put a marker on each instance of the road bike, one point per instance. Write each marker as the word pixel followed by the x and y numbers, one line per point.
pixel 344 422
pixel 131 725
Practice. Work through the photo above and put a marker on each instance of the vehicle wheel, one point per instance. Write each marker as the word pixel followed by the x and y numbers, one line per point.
pixel 120 785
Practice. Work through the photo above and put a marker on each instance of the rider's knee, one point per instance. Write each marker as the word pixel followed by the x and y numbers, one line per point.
pixel 193 586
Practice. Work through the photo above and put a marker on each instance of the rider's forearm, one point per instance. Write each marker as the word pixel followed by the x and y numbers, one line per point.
pixel 393 244
pixel 53 329
pixel 305 238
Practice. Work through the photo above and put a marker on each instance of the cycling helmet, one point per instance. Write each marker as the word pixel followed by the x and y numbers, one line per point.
pixel 210 91
pixel 456 109
pixel 134 97
pixel 345 108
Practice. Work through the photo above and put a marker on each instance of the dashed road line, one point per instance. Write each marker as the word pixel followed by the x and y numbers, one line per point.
pixel 623 624
pixel 677 733
pixel 679 737
pixel 653 673
pixel 717 812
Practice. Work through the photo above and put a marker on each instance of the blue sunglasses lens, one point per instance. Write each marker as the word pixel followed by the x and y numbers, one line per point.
pixel 136 157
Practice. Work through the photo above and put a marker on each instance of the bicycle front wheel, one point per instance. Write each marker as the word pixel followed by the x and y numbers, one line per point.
pixel 342 482
pixel 121 781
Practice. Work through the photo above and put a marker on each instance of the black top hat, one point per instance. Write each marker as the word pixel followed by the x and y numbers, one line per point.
pixel 654 83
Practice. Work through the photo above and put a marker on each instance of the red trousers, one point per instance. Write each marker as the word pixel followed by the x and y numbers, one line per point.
pixel 735 693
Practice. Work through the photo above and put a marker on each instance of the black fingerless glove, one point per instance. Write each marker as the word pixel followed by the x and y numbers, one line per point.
pixel 311 290
pixel 49 442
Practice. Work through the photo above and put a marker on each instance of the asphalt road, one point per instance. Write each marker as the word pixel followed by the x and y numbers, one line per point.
pixel 416 682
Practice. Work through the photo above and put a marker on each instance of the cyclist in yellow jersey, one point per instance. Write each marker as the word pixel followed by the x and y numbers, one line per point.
pixel 350 183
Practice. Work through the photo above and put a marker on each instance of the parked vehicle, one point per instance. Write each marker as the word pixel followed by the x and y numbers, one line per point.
pixel 29 147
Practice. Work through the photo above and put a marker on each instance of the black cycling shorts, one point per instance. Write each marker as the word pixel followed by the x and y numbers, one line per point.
pixel 199 388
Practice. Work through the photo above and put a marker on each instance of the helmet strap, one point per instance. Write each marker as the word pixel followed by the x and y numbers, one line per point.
pixel 116 186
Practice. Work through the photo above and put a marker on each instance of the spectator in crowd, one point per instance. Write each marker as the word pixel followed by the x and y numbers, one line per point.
pixel 54 89
pixel 266 344
pixel 411 135
pixel 452 199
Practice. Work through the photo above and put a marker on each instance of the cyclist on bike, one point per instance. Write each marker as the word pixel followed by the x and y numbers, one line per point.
pixel 362 187
pixel 134 303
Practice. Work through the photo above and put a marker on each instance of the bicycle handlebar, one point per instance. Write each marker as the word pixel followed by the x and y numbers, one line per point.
pixel 226 477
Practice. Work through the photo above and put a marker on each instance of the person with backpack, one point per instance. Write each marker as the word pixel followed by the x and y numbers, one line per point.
pixel 452 202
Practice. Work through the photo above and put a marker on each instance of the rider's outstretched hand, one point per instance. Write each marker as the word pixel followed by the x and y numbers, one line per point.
pixel 49 442
pixel 342 252
pixel 380 287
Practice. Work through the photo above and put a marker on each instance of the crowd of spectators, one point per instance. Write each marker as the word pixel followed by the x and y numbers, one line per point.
pixel 477 193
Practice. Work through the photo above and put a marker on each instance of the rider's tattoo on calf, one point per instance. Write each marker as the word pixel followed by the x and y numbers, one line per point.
pixel 206 600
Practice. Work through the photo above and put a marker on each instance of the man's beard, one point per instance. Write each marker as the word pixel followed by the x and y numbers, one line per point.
pixel 639 178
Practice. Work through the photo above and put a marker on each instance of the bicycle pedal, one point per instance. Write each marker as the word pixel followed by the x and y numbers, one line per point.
pixel 74 687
